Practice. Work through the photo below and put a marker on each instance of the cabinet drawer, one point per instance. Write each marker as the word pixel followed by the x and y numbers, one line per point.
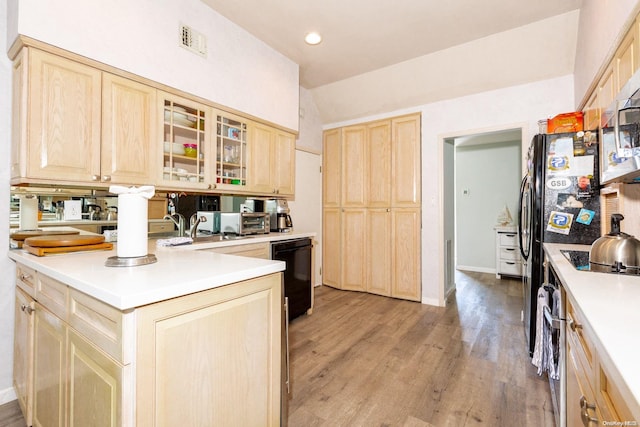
pixel 100 323
pixel 253 250
pixel 609 397
pixel 26 279
pixel 509 239
pixel 510 268
pixel 510 254
pixel 161 227
pixel 52 295
pixel 576 332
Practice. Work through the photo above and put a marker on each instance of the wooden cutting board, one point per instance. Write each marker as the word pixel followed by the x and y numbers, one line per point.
pixel 19 236
pixel 63 240
pixel 44 245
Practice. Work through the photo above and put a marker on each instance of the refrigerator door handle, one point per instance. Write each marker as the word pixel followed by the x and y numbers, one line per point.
pixel 523 185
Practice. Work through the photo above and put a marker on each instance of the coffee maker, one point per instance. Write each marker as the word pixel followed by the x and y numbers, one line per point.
pixel 278 210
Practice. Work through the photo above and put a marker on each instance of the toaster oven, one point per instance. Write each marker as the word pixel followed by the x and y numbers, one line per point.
pixel 244 223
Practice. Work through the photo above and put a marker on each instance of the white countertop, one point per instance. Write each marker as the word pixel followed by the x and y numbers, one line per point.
pixel 610 303
pixel 256 238
pixel 177 272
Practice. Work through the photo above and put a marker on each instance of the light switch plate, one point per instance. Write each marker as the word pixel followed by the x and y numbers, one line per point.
pixel 72 210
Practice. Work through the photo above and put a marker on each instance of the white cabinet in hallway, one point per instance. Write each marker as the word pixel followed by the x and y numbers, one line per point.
pixel 508 258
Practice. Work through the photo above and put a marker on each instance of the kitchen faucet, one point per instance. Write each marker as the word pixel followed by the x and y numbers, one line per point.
pixel 179 223
pixel 194 221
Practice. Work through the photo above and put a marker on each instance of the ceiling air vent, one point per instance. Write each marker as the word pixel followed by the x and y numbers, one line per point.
pixel 193 40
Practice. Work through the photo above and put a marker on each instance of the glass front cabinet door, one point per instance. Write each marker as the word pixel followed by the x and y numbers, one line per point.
pixel 231 152
pixel 187 148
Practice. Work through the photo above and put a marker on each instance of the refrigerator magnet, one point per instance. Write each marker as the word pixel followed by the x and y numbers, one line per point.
pixel 558 164
pixel 560 222
pixel 585 216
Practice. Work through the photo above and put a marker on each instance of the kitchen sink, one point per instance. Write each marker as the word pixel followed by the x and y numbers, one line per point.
pixel 207 238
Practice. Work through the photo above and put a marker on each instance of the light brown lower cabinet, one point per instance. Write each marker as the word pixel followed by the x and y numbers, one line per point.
pixel 252 250
pixel 332 247
pixel 593 396
pixel 354 249
pixel 375 250
pixel 209 358
pixel 379 244
pixel 23 352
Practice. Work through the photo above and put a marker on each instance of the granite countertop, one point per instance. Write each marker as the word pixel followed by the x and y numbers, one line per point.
pixel 609 304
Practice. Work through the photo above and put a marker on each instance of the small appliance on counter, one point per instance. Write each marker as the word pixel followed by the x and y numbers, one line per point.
pixel 212 224
pixel 244 223
pixel 616 252
pixel 278 210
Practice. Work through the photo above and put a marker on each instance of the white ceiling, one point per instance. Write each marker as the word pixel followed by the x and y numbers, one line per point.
pixel 365 35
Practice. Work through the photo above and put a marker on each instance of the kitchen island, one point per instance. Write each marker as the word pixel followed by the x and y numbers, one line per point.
pixel 193 339
pixel 607 321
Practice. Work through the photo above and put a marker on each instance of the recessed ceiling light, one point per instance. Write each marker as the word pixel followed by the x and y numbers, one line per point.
pixel 313 38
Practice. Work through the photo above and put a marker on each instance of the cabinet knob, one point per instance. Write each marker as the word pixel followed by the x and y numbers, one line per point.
pixel 95 178
pixel 106 178
pixel 26 308
pixel 584 413
pixel 573 325
pixel 25 276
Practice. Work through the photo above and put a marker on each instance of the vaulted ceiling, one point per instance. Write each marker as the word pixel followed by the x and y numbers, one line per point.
pixel 365 35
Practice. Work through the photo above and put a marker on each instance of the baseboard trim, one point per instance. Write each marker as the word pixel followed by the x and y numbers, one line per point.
pixel 476 269
pixel 7 395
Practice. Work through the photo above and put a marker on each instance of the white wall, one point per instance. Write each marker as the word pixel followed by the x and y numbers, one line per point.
pixel 7 284
pixel 487 180
pixel 600 29
pixel 141 37
pixel 507 108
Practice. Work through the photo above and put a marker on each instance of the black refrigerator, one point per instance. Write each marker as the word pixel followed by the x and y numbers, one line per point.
pixel 559 203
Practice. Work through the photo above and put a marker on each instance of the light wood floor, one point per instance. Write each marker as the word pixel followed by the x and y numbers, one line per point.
pixel 10 415
pixel 365 360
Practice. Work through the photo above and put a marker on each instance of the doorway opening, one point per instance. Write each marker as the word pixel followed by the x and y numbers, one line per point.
pixel 481 182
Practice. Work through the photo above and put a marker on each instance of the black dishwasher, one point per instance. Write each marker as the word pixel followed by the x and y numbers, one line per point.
pixel 296 254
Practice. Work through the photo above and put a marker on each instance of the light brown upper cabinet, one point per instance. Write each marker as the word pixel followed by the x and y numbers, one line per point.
pixel 405 156
pixel 271 161
pixel 185 147
pixel 331 169
pixel 76 124
pixel 379 164
pixel 128 131
pixel 354 161
pixel 625 59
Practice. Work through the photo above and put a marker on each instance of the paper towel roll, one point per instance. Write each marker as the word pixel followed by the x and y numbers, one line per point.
pixel 132 220
pixel 28 212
